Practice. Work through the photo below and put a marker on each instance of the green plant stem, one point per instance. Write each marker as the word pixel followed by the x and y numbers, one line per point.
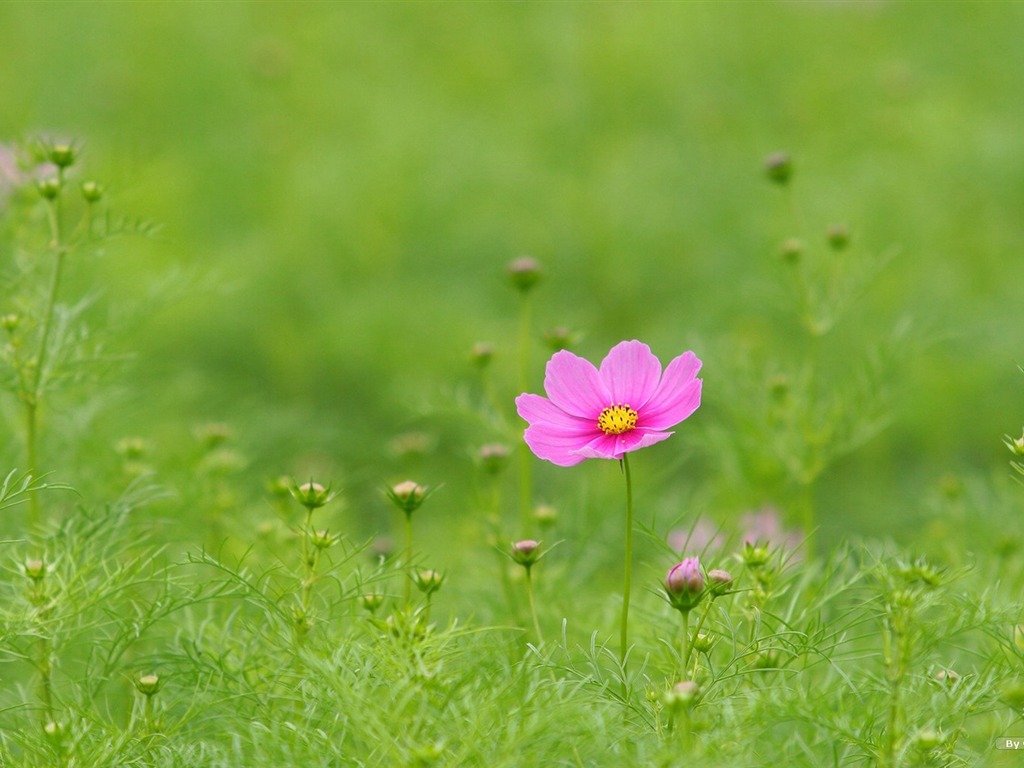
pixel 408 558
pixel 628 569
pixel 687 646
pixel 34 394
pixel 533 605
pixel 45 680
pixel 525 464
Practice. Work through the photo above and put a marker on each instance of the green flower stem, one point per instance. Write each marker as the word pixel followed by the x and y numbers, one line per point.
pixel 32 397
pixel 696 633
pixel 533 605
pixel 408 558
pixel 686 647
pixel 525 463
pixel 624 623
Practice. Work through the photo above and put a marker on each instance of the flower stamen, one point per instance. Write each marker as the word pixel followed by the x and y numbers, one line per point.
pixel 616 419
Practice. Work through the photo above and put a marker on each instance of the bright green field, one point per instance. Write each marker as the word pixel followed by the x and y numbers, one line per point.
pixel 339 187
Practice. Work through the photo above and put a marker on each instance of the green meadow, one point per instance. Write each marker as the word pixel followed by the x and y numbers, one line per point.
pixel 251 251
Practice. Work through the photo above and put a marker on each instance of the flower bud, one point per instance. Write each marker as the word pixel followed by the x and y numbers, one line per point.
pixel 35 569
pixel 526 552
pixel 524 273
pixel 947 676
pixel 428 581
pixel 53 729
pixel 147 685
pixel 91 191
pixel 493 457
pixel 755 555
pixel 684 584
pixel 371 601
pixel 1016 445
pixel 682 695
pixel 560 338
pixel 49 189
pixel 703 643
pixel 791 250
pixel 719 582
pixel 545 515
pixel 779 167
pixel 322 539
pixel 838 236
pixel 62 155
pixel 10 322
pixel 482 354
pixel 407 496
pixel 311 495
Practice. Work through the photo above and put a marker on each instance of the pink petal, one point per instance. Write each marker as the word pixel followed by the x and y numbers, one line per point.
pixel 539 411
pixel 677 396
pixel 631 372
pixel 574 385
pixel 560 450
pixel 616 446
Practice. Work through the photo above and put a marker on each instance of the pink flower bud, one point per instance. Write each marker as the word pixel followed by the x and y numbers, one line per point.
pixel 526 552
pixel 684 584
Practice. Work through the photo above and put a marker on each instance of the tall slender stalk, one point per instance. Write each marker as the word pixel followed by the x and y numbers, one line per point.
pixel 525 465
pixel 32 397
pixel 628 569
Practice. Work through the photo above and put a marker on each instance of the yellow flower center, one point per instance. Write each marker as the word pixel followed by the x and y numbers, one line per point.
pixel 616 419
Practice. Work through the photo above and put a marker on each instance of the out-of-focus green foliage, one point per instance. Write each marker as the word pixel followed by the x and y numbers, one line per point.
pixel 340 186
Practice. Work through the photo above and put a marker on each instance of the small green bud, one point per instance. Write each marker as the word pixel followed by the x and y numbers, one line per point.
pixel 407 496
pixel 371 601
pixel 791 250
pixel 703 643
pixel 35 569
pixel 92 191
pixel 62 155
pixel 482 354
pixel 428 581
pixel 560 338
pixel 755 556
pixel 719 582
pixel 148 685
pixel 311 495
pixel 1015 444
pixel 524 273
pixel 927 739
pixel 49 189
pixel 53 729
pixel 526 552
pixel 947 676
pixel 493 457
pixel 545 515
pixel 779 167
pixel 322 539
pixel 838 236
pixel 10 322
pixel 682 695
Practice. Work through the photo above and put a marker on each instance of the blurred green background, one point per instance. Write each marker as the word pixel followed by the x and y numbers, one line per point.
pixel 340 187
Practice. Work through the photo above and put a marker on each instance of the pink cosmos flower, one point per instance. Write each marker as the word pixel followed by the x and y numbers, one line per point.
pixel 606 412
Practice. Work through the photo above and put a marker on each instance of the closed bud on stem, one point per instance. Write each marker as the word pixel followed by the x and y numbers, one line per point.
pixel 684 585
pixel 947 676
pixel 35 569
pixel 703 643
pixel 791 250
pixel 92 191
pixel 838 236
pixel 526 552
pixel 493 457
pixel 545 515
pixel 371 601
pixel 311 495
pixel 482 354
pixel 755 555
pixel 779 167
pixel 62 155
pixel 407 496
pixel 322 539
pixel 682 695
pixel 927 739
pixel 719 582
pixel 524 273
pixel 428 581
pixel 49 189
pixel 10 321
pixel 148 685
pixel 53 729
